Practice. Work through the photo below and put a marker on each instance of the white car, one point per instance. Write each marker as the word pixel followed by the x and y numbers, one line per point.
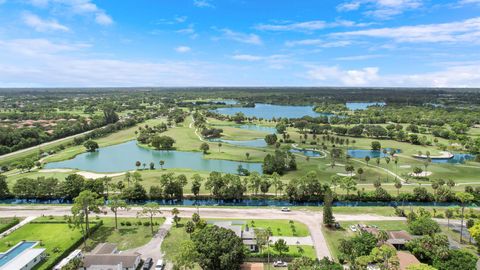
pixel 160 265
pixel 280 264
pixel 285 209
pixel 353 228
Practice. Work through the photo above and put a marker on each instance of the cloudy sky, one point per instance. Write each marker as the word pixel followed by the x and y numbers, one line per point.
pixel 74 43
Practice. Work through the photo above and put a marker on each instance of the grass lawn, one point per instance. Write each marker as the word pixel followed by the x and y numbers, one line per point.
pixel 173 241
pixel 333 237
pixel 126 237
pixel 293 251
pixel 280 227
pixel 56 238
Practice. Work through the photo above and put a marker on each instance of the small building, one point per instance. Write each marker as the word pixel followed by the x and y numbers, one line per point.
pixel 106 256
pixel 398 238
pixel 248 235
pixel 22 256
pixel 406 259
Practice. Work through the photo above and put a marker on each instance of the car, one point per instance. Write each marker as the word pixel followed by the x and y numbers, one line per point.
pixel 160 265
pixel 353 228
pixel 285 209
pixel 147 264
pixel 280 264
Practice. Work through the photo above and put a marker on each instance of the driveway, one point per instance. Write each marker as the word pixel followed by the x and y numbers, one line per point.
pixel 152 248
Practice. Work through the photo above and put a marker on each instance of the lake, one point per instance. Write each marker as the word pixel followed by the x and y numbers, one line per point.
pixel 308 153
pixel 122 157
pixel 362 153
pixel 457 159
pixel 354 106
pixel 269 111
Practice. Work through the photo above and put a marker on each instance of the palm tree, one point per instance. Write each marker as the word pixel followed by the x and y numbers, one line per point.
pixel 162 162
pixel 348 184
pixel 360 172
pixel 247 154
pixel 219 146
pixel 138 164
pixel 464 198
pixel 367 159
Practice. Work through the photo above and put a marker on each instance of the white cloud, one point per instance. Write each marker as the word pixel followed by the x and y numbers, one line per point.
pixel 452 76
pixel 41 25
pixel 383 9
pixel 307 26
pixel 241 37
pixel 182 49
pixel 318 43
pixel 335 75
pixel 40 62
pixel 202 3
pixel 82 7
pixel 358 57
pixel 453 32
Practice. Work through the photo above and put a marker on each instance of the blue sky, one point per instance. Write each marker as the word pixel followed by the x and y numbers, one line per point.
pixel 77 43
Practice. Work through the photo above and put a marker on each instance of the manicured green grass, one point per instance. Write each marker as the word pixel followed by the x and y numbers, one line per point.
pixel 293 251
pixel 126 237
pixel 173 241
pixel 280 227
pixel 54 237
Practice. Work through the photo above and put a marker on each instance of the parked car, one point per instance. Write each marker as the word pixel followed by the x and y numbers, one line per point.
pixel 160 265
pixel 353 228
pixel 280 264
pixel 147 264
pixel 285 209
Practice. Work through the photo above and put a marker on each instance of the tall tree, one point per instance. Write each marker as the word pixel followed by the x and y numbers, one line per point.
pixel 116 203
pixel 150 210
pixel 328 218
pixel 85 203
pixel 464 198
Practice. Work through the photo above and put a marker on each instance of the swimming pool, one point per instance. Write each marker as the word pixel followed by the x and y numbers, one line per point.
pixel 15 251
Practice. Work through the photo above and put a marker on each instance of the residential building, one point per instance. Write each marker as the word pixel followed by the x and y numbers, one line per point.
pixel 105 256
pixel 23 256
pixel 247 235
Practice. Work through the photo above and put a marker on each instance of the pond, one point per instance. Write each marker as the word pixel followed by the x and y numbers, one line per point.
pixel 270 130
pixel 457 159
pixel 247 143
pixel 269 111
pixel 362 153
pixel 354 106
pixel 308 153
pixel 122 157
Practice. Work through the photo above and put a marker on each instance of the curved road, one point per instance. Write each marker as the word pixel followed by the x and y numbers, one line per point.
pixel 312 219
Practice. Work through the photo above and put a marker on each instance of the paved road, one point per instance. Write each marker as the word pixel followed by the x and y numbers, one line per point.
pixel 311 219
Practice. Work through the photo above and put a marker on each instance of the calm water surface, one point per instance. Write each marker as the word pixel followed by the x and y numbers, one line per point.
pixel 269 111
pixel 122 157
pixel 362 153
pixel 354 106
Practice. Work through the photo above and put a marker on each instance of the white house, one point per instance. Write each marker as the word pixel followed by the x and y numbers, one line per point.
pixel 23 256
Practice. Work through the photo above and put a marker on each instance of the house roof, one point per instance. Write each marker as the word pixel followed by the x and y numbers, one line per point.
pixel 398 237
pixel 406 259
pixel 126 260
pixel 104 248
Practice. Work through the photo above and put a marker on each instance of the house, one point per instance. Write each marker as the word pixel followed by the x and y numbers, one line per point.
pixel 22 256
pixel 248 235
pixel 77 253
pixel 398 238
pixel 406 259
pixel 105 256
